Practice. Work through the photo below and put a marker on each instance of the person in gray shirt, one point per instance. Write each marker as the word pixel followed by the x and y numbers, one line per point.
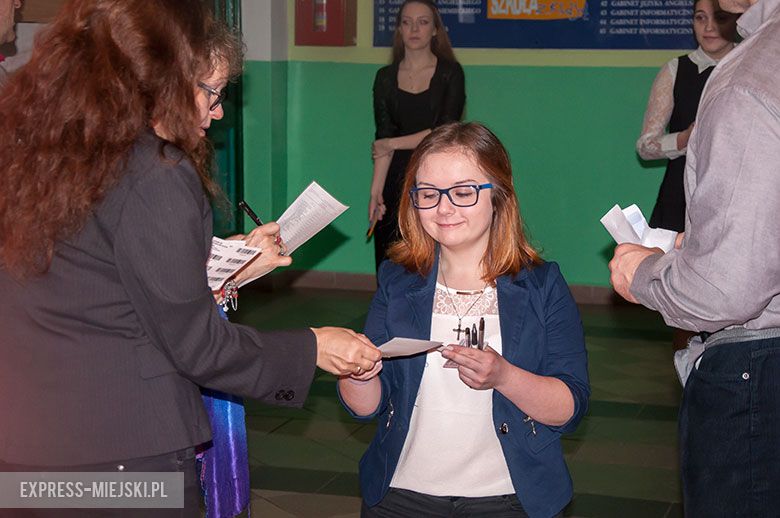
pixel 7 34
pixel 724 278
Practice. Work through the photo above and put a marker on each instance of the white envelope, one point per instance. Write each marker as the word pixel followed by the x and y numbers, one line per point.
pixel 630 226
pixel 406 347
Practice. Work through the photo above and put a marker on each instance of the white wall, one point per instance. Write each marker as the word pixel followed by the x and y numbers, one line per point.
pixel 264 27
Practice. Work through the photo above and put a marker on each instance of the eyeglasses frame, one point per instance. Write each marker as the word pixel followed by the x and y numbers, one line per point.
pixel 213 91
pixel 446 192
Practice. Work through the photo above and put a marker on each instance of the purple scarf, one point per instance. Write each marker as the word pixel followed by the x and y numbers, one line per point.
pixel 224 473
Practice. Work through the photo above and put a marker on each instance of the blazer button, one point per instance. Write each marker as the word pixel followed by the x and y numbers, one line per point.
pixel 289 395
pixel 504 428
pixel 279 395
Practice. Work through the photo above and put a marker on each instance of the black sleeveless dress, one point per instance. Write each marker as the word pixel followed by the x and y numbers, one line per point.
pixel 414 115
pixel 669 211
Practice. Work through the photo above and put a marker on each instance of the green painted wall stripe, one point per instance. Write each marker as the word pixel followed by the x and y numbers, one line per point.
pixel 570 132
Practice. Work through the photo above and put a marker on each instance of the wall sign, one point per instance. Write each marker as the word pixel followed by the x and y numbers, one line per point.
pixel 555 24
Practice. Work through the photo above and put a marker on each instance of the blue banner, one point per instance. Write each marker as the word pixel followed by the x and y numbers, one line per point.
pixel 555 24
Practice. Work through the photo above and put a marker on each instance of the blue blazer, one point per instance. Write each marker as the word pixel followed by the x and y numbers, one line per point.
pixel 541 332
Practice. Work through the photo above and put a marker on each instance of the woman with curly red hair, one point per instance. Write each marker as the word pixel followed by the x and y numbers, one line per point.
pixel 107 325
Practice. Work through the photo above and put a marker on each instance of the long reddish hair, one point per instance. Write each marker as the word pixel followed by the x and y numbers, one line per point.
pixel 99 76
pixel 508 250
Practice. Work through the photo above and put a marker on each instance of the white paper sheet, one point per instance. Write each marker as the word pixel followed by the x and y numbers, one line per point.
pixel 312 210
pixel 226 258
pixel 406 347
pixel 630 226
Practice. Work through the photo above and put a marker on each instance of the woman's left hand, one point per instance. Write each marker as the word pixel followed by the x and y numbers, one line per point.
pixel 381 147
pixel 480 370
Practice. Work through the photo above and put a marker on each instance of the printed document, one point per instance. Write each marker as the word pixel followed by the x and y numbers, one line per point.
pixel 312 210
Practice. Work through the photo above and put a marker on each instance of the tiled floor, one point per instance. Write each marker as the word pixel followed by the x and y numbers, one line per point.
pixel 623 457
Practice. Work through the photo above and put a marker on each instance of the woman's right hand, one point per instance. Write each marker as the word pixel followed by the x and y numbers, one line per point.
pixel 368 374
pixel 376 208
pixel 678 241
pixel 684 136
pixel 381 147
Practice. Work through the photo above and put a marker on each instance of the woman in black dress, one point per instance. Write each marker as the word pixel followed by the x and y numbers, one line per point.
pixel 422 88
pixel 673 102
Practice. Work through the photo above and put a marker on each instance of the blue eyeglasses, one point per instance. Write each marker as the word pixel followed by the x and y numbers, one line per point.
pixel 459 195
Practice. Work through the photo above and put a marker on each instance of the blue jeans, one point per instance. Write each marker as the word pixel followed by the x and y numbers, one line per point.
pixel 730 431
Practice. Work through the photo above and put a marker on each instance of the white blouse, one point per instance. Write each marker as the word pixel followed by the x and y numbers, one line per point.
pixel 452 448
pixel 654 143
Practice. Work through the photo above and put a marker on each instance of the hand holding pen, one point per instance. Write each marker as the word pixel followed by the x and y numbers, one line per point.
pixel 254 217
pixel 372 223
pixel 376 210
pixel 266 237
pixel 480 370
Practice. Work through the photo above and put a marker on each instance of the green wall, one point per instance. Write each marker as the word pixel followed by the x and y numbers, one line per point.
pixel 570 132
pixel 265 138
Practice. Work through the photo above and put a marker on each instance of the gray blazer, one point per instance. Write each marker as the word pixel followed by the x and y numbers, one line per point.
pixel 101 357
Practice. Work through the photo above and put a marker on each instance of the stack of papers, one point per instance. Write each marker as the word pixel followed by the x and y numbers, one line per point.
pixel 312 210
pixel 227 257
pixel 630 226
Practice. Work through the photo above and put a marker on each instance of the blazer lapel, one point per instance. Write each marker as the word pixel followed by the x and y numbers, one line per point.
pixel 513 301
pixel 420 298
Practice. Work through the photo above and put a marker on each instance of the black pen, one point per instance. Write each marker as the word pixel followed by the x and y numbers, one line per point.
pixel 249 212
pixel 481 338
pixel 474 342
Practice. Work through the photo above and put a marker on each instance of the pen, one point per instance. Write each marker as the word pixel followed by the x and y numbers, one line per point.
pixel 474 338
pixel 249 212
pixel 374 219
pixel 481 338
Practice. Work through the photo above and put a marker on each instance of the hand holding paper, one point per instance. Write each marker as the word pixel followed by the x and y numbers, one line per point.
pixel 227 257
pixel 630 226
pixel 311 211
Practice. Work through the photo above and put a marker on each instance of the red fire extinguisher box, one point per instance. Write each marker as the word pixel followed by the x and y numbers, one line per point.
pixel 326 22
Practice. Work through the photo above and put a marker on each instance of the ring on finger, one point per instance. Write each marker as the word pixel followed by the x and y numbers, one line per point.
pixel 359 371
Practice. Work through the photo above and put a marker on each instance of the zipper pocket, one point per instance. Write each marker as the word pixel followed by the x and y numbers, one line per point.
pixel 390 415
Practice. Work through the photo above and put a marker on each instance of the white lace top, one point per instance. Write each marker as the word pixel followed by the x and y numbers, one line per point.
pixel 452 448
pixel 655 143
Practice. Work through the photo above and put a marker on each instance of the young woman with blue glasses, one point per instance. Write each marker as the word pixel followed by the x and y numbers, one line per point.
pixel 469 430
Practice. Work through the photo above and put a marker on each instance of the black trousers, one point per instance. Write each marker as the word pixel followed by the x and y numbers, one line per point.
pixel 178 461
pixel 401 503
